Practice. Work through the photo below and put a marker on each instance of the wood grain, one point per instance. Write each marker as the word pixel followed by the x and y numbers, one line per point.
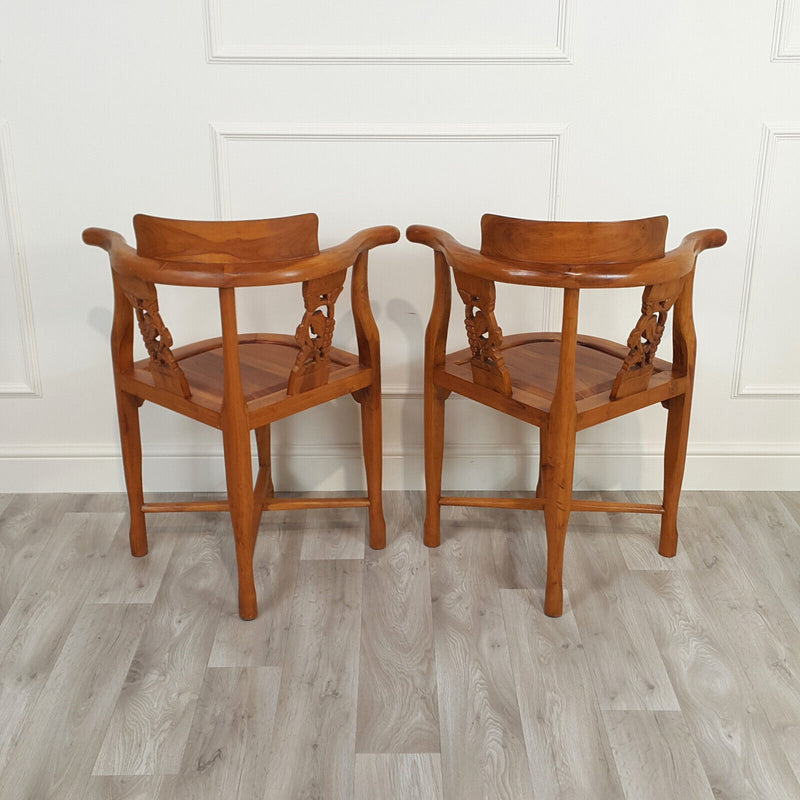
pixel 655 756
pixel 127 787
pixel 565 735
pixel 760 633
pixel 262 642
pixel 776 547
pixel 39 620
pixel 137 580
pixel 151 721
pixel 483 747
pixel 334 533
pixel 314 753
pixel 637 535
pixel 738 749
pixel 562 382
pixel 410 776
pixel 397 704
pixel 521 702
pixel 65 728
pixel 791 501
pixel 626 667
pixel 238 383
pixel 27 526
pixel 228 745
pixel 521 554
pixel 5 499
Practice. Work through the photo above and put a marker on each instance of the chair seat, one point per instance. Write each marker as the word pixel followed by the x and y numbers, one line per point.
pixel 266 360
pixel 241 383
pixel 532 362
pixel 561 382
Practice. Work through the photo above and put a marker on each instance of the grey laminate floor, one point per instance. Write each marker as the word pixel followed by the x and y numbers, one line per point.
pixel 405 673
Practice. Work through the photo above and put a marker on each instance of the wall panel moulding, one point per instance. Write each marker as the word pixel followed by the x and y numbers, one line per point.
pixel 19 368
pixel 362 31
pixel 767 352
pixel 354 176
pixel 786 35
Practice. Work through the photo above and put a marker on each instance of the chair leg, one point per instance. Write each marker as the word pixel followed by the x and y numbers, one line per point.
pixel 542 458
pixel 239 479
pixel 131 442
pixel 679 409
pixel 557 487
pixel 264 459
pixel 434 453
pixel 372 444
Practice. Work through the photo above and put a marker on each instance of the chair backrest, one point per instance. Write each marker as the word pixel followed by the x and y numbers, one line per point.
pixel 227 240
pixel 573 242
pixel 625 244
pixel 196 243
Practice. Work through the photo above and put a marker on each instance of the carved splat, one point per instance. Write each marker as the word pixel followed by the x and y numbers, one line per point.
pixel 483 333
pixel 636 369
pixel 314 334
pixel 165 370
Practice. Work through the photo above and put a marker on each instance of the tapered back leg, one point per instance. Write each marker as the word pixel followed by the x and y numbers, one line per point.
pixel 131 445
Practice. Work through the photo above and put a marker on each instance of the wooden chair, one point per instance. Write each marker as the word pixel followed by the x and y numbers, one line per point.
pixel 242 382
pixel 562 382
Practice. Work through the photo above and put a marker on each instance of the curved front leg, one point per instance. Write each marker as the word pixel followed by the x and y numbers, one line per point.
pixel 369 356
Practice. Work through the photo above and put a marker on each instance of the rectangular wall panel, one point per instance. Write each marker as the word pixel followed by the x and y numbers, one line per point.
pixel 19 372
pixel 786 39
pixel 768 356
pixel 372 30
pixel 355 177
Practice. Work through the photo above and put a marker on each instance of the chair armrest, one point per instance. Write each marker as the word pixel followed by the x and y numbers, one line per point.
pixel 100 237
pixel 332 259
pixel 671 266
pixel 705 239
pixel 473 262
pixel 435 238
pixel 369 238
pixel 228 274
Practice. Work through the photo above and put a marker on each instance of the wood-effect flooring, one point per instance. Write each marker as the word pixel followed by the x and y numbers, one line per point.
pixel 403 673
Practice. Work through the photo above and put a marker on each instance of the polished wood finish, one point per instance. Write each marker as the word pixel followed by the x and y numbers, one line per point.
pixel 562 382
pixel 239 383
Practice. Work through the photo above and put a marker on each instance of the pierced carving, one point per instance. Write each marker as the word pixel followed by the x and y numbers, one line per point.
pixel 634 374
pixel 483 333
pixel 165 370
pixel 314 334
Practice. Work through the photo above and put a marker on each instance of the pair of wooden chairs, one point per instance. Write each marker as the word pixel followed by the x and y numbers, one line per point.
pixel 561 382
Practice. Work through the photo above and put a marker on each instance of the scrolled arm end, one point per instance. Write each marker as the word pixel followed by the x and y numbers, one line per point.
pixel 705 239
pixel 386 234
pixel 432 237
pixel 100 237
pixel 374 237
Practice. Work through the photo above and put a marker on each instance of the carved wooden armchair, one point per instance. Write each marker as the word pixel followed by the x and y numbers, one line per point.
pixel 562 382
pixel 240 383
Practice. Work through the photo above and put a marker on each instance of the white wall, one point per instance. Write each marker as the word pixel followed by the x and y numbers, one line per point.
pixel 371 113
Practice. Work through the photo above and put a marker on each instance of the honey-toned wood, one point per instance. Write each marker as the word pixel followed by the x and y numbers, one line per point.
pixel 483 333
pixel 434 397
pixel 570 274
pixel 369 398
pixel 157 339
pixel 314 334
pixel 237 382
pixel 562 382
pixel 228 240
pixel 637 368
pixel 573 242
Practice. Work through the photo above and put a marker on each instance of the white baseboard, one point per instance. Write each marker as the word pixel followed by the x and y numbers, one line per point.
pixel 711 466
